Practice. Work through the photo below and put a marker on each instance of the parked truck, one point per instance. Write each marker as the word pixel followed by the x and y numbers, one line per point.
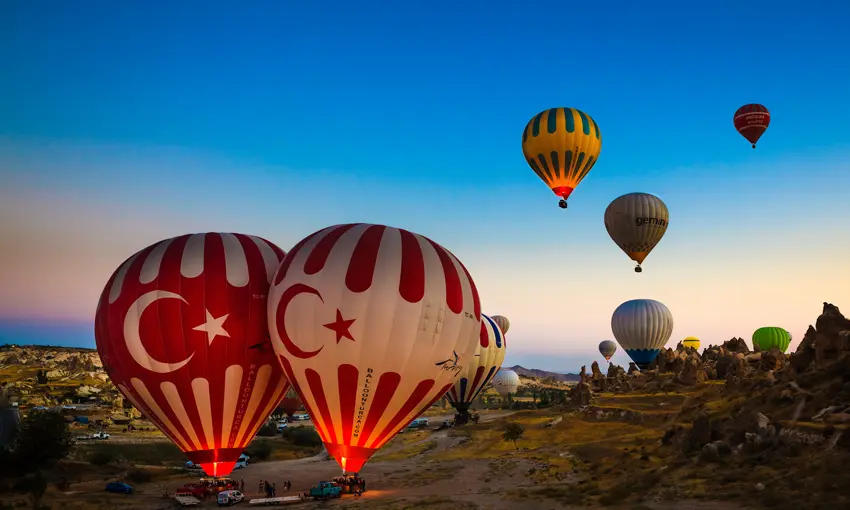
pixel 325 490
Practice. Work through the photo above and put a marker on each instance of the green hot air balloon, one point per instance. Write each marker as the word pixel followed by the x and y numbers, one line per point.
pixel 771 337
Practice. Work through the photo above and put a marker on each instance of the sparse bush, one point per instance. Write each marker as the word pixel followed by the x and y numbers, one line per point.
pixel 139 476
pixel 267 430
pixel 513 431
pixel 259 450
pixel 35 485
pixel 41 441
pixel 302 436
pixel 100 458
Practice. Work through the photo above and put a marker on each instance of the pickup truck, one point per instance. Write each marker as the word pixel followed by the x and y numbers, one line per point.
pixel 325 490
pixel 95 436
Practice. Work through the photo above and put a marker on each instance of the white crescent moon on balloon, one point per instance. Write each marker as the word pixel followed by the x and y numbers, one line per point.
pixel 280 318
pixel 133 339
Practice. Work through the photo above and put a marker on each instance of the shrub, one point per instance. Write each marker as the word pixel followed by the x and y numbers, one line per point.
pixel 302 436
pixel 139 476
pixel 268 430
pixel 100 458
pixel 259 450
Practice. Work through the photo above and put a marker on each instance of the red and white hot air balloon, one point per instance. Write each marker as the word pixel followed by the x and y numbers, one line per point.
pixel 291 403
pixel 373 324
pixel 182 332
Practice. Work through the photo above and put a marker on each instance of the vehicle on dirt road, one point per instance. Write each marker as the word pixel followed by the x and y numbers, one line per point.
pixel 195 489
pixel 230 497
pixel 325 490
pixel 119 488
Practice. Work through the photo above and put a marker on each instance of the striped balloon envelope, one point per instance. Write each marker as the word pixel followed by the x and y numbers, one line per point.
pixel 181 330
pixel 691 342
pixel 607 348
pixel 772 337
pixel 372 325
pixel 503 323
pixel 642 327
pixel 561 145
pixel 488 358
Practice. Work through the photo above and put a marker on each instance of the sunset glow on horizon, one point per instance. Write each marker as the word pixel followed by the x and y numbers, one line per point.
pixel 110 145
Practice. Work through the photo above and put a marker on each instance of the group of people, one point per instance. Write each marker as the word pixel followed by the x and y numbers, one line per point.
pixel 270 489
pixel 352 484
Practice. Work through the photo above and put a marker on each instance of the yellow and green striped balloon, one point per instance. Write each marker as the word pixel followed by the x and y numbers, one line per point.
pixel 561 145
pixel 772 337
pixel 691 341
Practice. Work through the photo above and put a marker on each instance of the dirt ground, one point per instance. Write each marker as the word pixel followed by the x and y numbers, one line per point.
pixel 464 468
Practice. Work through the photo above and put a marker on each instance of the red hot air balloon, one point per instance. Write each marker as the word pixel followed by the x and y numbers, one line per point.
pixel 751 120
pixel 373 325
pixel 182 332
pixel 290 403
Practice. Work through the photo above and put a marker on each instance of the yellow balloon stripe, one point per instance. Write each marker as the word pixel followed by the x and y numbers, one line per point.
pixel 561 145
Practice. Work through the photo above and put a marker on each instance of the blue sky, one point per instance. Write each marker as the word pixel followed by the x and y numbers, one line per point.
pixel 279 119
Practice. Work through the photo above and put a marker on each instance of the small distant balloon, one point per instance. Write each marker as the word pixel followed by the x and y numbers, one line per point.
pixel 772 337
pixel 751 121
pixel 607 348
pixel 506 382
pixel 691 342
pixel 503 323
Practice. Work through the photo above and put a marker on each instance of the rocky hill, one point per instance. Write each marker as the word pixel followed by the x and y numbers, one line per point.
pixel 46 375
pixel 776 425
pixel 543 374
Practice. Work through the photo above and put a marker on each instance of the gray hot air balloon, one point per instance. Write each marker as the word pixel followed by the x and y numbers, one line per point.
pixel 642 327
pixel 506 382
pixel 607 348
pixel 636 222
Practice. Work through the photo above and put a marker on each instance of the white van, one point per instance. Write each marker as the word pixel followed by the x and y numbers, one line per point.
pixel 242 462
pixel 230 497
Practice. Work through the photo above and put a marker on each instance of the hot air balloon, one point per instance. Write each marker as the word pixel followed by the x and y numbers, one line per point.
pixel 751 121
pixel 505 382
pixel 290 403
pixel 181 330
pixel 642 327
pixel 488 358
pixel 636 222
pixel 503 323
pixel 691 342
pixel 561 145
pixel 372 325
pixel 772 337
pixel 607 348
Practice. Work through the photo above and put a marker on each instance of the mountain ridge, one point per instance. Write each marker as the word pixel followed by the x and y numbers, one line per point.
pixel 543 374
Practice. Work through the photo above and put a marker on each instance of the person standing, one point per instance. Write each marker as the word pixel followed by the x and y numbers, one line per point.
pixel 262 486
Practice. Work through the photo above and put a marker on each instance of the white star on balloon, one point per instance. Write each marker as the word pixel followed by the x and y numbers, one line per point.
pixel 213 327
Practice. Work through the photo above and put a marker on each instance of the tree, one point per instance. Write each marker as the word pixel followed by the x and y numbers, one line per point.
pixel 513 432
pixel 42 440
pixel 35 485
